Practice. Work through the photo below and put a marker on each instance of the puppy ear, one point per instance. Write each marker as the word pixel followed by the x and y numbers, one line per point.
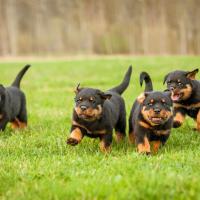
pixel 191 75
pixel 142 97
pixel 78 89
pixel 105 96
pixel 165 78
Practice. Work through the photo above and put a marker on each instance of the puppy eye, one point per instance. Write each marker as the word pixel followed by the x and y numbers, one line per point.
pixel 79 100
pixel 179 83
pixel 168 82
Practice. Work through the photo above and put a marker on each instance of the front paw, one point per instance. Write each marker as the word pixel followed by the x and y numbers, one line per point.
pixel 72 141
pixel 176 124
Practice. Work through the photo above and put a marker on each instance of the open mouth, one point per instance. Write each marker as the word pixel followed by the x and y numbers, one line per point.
pixel 176 96
pixel 156 120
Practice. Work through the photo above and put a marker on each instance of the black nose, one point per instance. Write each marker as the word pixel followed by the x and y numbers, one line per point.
pixel 83 108
pixel 157 110
pixel 171 88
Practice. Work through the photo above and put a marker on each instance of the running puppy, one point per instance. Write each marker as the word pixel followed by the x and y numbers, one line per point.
pixel 151 118
pixel 185 95
pixel 13 104
pixel 96 114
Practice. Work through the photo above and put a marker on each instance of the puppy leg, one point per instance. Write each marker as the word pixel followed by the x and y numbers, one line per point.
pixel 21 120
pixel 179 117
pixel 156 146
pixel 105 143
pixel 131 132
pixel 143 145
pixel 3 124
pixel 198 121
pixel 76 136
pixel 120 129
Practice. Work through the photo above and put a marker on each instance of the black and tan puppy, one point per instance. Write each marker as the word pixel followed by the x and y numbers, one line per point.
pixel 151 118
pixel 13 104
pixel 185 95
pixel 96 114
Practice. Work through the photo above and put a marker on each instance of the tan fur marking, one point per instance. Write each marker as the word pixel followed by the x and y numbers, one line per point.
pixel 132 138
pixel 1 116
pixel 76 134
pixel 198 121
pixel 178 105
pixel 163 100
pixel 119 137
pixel 151 100
pixel 156 146
pixel 104 148
pixel 186 92
pixel 93 113
pixel 145 125
pixel 145 147
pixel 179 118
pixel 16 124
pixel 90 132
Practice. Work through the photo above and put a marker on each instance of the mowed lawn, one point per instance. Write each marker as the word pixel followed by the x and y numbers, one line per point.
pixel 36 163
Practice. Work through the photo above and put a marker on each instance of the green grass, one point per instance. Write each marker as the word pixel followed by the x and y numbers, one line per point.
pixel 36 163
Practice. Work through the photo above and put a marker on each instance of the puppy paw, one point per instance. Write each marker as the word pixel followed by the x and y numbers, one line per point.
pixel 72 141
pixel 176 124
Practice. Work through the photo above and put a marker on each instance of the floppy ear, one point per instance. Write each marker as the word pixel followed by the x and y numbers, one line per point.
pixel 142 97
pixel 78 89
pixel 105 96
pixel 165 78
pixel 191 75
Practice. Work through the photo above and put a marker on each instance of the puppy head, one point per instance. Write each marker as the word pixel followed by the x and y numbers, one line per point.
pixel 156 107
pixel 89 103
pixel 180 84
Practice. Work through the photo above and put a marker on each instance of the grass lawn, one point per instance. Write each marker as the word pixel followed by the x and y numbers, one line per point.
pixel 36 163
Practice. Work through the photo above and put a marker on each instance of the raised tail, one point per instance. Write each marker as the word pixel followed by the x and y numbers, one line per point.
pixel 17 80
pixel 144 76
pixel 124 84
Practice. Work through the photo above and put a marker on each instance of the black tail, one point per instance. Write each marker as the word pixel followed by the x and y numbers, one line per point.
pixel 148 83
pixel 17 80
pixel 124 84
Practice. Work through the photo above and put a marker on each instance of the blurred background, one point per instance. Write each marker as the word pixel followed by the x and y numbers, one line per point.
pixel 87 27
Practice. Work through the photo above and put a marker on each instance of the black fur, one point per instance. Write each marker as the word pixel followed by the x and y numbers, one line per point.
pixel 148 83
pixel 185 94
pixel 110 107
pixel 156 128
pixel 13 102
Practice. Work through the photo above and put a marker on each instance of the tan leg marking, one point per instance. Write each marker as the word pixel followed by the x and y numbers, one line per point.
pixel 156 146
pixel 16 124
pixel 119 137
pixel 132 138
pixel 104 148
pixel 179 118
pixel 76 134
pixel 198 121
pixel 145 147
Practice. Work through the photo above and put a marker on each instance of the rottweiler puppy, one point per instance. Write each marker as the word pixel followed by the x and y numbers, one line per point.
pixel 185 95
pixel 97 113
pixel 13 104
pixel 151 118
